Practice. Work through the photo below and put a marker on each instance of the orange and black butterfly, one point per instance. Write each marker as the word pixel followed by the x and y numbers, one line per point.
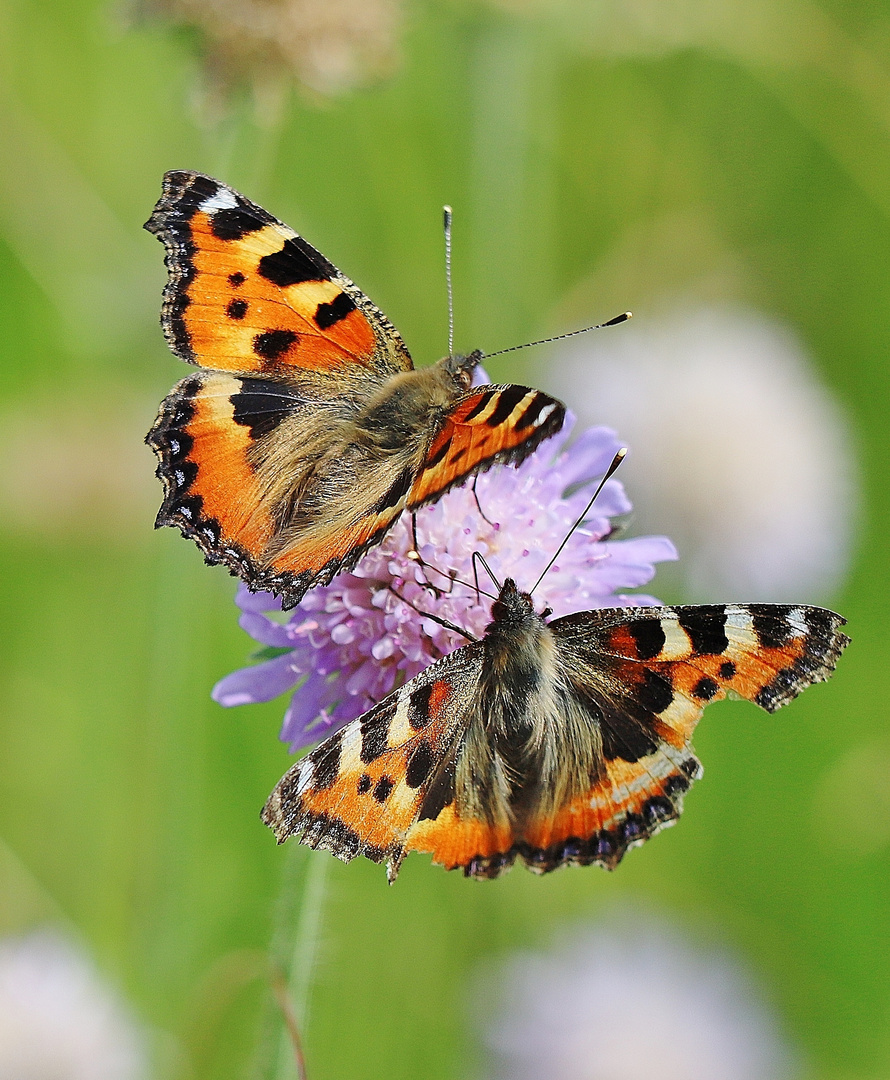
pixel 561 742
pixel 307 430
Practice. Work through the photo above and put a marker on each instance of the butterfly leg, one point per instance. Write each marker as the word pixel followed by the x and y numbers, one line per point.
pixel 418 558
pixel 479 505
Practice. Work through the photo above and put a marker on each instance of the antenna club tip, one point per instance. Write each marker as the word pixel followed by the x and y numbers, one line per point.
pixel 622 453
pixel 447 213
pixel 623 317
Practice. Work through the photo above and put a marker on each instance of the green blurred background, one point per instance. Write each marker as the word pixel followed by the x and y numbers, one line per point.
pixel 563 134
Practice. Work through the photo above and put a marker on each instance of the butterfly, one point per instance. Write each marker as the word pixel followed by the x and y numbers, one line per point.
pixel 560 742
pixel 307 430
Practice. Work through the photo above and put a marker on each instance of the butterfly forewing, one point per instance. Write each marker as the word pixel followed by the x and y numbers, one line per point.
pixel 246 293
pixel 645 675
pixel 492 424
pixel 362 789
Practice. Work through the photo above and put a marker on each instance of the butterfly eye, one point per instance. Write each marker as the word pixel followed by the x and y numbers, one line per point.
pixel 461 368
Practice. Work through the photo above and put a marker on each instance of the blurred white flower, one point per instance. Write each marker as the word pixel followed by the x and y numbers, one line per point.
pixel 632 1001
pixel 326 46
pixel 737 450
pixel 75 467
pixel 58 1020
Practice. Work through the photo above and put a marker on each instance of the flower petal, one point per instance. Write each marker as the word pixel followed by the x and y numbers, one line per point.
pixel 262 682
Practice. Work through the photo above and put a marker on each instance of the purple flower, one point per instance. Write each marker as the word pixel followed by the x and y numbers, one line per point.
pixel 349 644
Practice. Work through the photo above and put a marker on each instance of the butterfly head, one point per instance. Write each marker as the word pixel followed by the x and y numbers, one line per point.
pixel 512 606
pixel 461 368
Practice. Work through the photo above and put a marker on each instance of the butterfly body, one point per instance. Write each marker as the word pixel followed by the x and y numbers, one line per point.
pixel 560 742
pixel 306 431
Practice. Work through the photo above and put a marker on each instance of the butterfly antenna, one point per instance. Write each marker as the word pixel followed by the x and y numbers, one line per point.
pixel 452 577
pixel 616 461
pixel 436 618
pixel 623 317
pixel 447 215
pixel 497 584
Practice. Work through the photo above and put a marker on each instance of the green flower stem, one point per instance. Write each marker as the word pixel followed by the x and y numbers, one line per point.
pixel 292 956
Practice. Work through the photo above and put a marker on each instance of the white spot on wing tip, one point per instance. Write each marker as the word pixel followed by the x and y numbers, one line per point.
pixel 222 199
pixel 306 773
pixel 543 414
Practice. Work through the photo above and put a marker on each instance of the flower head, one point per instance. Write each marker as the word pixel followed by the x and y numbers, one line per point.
pixel 352 642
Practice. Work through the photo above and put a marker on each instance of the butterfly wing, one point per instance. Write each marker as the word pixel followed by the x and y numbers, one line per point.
pixel 247 294
pixel 294 348
pixel 361 791
pixel 644 676
pixel 488 425
pixel 211 431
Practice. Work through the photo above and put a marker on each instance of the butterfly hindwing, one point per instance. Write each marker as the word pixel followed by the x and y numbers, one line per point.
pixel 212 435
pixel 247 294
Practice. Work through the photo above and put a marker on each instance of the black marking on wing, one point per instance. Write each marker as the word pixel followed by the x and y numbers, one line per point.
pixel 420 764
pixel 233 223
pixel 440 793
pixel 397 492
pixel 508 399
pixel 648 634
pixel 271 345
pixel 705 689
pixel 419 706
pixel 383 789
pixel 626 736
pixel 705 625
pixel 433 461
pixel 654 692
pixel 295 262
pixel 262 405
pixel 375 729
pixel 326 315
pixel 771 625
pixel 480 406
pixel 326 764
